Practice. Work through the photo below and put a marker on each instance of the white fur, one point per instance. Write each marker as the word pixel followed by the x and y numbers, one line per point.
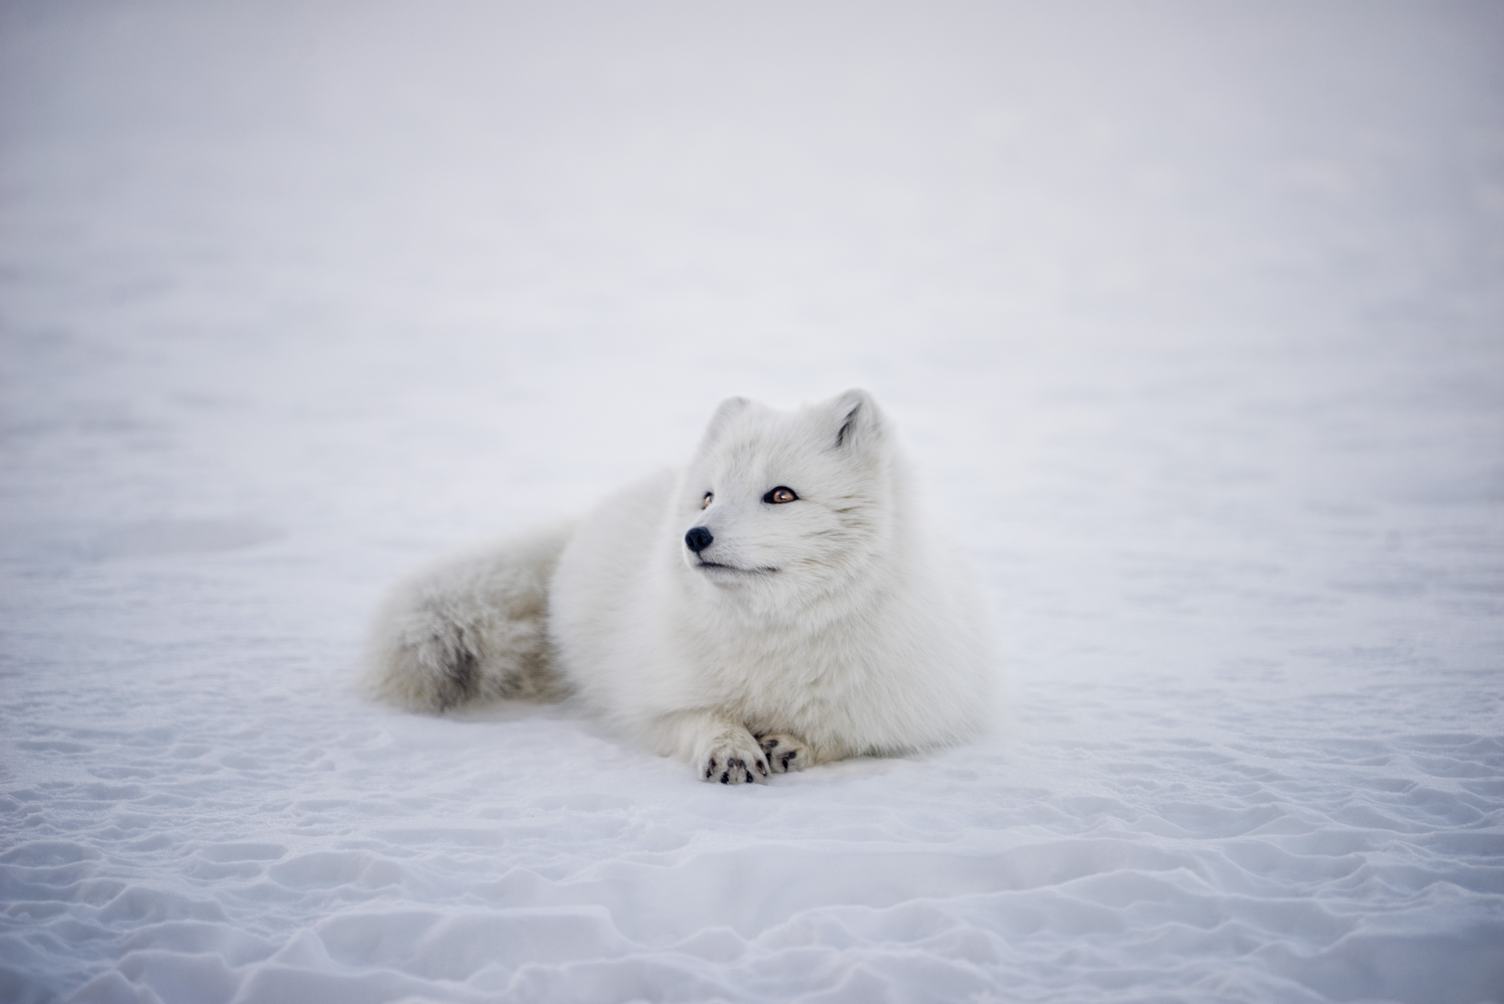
pixel 854 629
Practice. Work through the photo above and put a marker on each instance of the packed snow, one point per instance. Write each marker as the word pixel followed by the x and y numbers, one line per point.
pixel 1191 315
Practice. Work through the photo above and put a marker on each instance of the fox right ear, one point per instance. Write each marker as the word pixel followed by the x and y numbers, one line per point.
pixel 723 414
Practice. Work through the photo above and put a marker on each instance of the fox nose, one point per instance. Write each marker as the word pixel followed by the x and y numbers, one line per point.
pixel 698 539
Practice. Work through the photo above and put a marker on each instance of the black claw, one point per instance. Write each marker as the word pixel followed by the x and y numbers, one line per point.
pixel 787 757
pixel 770 744
pixel 712 763
pixel 708 772
pixel 726 777
pixel 762 768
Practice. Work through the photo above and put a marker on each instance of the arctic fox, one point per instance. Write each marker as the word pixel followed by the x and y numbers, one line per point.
pixel 775 604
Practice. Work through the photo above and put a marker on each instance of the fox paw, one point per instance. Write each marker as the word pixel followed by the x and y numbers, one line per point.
pixel 734 759
pixel 784 752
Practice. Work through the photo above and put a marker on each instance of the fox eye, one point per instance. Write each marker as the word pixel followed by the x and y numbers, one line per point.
pixel 705 502
pixel 780 495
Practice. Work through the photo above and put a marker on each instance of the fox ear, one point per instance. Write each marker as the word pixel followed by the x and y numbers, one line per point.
pixel 858 422
pixel 723 413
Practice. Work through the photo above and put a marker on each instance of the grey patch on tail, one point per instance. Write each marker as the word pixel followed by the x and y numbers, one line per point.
pixel 463 677
pixel 473 629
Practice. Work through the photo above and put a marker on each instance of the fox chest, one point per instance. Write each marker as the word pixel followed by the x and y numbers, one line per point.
pixel 779 686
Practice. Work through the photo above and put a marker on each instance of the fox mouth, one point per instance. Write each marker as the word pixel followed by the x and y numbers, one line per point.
pixel 717 567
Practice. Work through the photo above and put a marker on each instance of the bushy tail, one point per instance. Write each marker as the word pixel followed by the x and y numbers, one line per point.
pixel 470 630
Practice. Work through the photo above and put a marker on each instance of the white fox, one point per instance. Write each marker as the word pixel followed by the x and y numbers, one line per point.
pixel 776 604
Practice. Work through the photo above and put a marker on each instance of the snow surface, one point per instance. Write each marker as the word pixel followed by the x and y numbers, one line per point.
pixel 1192 314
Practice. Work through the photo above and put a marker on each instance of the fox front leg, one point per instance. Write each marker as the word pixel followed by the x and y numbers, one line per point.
pixel 785 752
pixel 720 748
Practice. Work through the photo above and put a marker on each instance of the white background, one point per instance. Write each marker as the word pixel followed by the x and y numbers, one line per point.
pixel 1192 316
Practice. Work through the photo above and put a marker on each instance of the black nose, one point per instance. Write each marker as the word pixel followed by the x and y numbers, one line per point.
pixel 698 539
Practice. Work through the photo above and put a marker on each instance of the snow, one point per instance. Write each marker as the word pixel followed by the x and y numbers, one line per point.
pixel 1191 315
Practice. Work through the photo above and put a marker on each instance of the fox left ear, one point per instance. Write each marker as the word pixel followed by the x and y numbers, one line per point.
pixel 858 421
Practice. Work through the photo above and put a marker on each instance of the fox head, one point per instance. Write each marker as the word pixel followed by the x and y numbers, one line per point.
pixel 787 500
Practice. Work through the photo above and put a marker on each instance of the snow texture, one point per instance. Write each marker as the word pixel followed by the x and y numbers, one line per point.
pixel 1192 315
